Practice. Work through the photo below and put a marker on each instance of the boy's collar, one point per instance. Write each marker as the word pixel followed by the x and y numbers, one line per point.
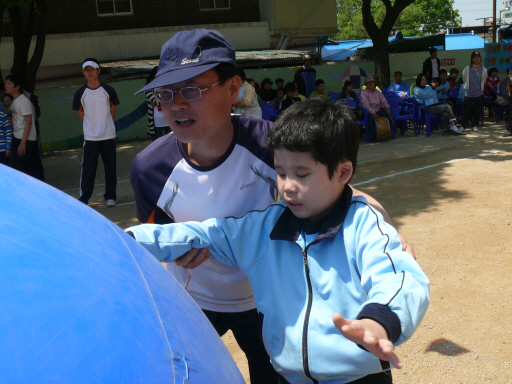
pixel 289 227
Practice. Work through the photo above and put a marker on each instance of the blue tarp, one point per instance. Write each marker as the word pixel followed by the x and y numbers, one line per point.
pixel 348 48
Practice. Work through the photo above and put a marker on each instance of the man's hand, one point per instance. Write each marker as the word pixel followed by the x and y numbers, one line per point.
pixel 375 116
pixel 370 335
pixel 404 95
pixel 21 148
pixel 193 258
pixel 388 111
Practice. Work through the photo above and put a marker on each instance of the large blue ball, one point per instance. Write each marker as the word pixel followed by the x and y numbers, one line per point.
pixel 82 302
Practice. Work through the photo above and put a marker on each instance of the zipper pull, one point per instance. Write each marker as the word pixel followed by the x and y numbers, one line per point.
pixel 305 256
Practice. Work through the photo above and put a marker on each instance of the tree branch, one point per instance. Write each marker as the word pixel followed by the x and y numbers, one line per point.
pixel 368 21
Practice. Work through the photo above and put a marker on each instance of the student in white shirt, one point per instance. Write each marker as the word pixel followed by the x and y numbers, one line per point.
pixel 96 105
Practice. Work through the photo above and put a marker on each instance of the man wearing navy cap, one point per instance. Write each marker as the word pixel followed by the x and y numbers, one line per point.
pixel 212 165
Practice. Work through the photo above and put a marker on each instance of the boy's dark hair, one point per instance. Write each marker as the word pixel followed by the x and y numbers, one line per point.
pixel 9 96
pixel 279 79
pixel 454 70
pixel 432 50
pixel 91 59
pixel 419 78
pixel 318 82
pixel 491 70
pixel 241 73
pixel 326 130
pixel 225 71
pixel 16 80
pixel 290 87
pixel 398 73
pixel 442 71
pixel 461 81
pixel 281 89
pixel 266 80
pixel 436 80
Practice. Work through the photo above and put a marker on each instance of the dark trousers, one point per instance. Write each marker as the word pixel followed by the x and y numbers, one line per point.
pixel 30 163
pixel 247 332
pixel 3 158
pixel 92 150
pixel 159 132
pixel 508 124
pixel 472 110
pixel 371 122
pixel 376 378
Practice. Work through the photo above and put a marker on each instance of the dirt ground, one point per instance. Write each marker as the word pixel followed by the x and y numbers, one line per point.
pixel 451 198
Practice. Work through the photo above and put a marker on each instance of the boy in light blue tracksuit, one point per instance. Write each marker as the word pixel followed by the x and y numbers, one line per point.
pixel 333 287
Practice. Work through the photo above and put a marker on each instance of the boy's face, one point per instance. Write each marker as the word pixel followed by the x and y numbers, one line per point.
pixel 304 183
pixel 11 88
pixel 7 102
pixel 267 86
pixel 454 75
pixel 443 76
pixel 280 95
pixel 291 94
pixel 398 78
pixel 91 73
pixel 320 88
pixel 280 84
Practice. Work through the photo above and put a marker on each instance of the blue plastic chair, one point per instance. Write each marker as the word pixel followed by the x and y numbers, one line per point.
pixel 454 94
pixel 333 96
pixel 501 109
pixel 423 117
pixel 364 122
pixel 401 110
pixel 268 112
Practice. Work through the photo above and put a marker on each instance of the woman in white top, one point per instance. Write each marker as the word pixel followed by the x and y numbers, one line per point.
pixel 247 102
pixel 473 76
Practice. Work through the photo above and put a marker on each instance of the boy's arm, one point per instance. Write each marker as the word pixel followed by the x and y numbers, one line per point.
pixel 375 204
pixel 113 110
pixel 81 115
pixel 397 288
pixel 26 132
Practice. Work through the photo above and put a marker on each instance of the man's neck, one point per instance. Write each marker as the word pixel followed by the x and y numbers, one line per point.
pixel 15 95
pixel 93 84
pixel 209 151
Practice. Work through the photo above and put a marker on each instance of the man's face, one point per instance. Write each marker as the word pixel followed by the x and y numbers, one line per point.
pixel 280 84
pixel 443 76
pixel 291 94
pixel 454 75
pixel 280 94
pixel 304 184
pixel 91 73
pixel 10 88
pixel 201 121
pixel 320 88
pixel 398 78
pixel 267 86
pixel 433 55
pixel 308 63
pixel 371 85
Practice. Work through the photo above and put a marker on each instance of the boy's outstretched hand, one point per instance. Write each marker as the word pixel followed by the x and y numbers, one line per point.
pixel 370 335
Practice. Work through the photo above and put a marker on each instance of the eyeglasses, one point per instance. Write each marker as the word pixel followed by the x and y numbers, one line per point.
pixel 187 93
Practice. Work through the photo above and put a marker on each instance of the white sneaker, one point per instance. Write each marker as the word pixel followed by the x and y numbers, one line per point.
pixel 111 203
pixel 475 129
pixel 454 129
pixel 462 129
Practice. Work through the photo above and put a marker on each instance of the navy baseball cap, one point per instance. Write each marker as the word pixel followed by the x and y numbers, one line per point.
pixel 190 53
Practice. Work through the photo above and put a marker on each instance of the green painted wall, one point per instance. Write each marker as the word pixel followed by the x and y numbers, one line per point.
pixel 304 14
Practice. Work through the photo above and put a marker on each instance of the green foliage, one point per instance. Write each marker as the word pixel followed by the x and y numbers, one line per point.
pixel 423 17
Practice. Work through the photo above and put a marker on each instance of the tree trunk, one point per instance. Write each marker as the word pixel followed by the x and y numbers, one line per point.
pixel 19 62
pixel 382 71
pixel 37 56
pixel 2 10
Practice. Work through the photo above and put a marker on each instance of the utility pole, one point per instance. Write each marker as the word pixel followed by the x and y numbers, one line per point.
pixel 452 20
pixel 493 21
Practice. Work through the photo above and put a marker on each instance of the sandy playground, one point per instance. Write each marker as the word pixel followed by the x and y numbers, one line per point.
pixel 451 198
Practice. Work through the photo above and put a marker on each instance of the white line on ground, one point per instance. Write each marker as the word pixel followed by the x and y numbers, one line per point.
pixel 428 166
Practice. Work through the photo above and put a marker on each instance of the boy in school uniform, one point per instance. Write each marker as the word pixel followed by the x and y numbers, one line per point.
pixel 96 105
pixel 334 290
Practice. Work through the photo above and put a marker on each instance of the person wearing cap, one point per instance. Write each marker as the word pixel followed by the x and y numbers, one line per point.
pixel 212 164
pixel 431 65
pixel 96 105
pixel 375 103
pixel 266 92
pixel 305 77
pixel 473 76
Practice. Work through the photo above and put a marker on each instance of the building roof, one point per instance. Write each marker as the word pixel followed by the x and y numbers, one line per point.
pixel 464 41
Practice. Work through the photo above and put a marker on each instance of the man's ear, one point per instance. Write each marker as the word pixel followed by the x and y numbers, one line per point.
pixel 99 70
pixel 346 170
pixel 234 86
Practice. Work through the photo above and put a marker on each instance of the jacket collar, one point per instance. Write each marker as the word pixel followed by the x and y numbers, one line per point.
pixel 289 227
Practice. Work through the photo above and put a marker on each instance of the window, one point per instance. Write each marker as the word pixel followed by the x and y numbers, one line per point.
pixel 213 4
pixel 6 16
pixel 114 7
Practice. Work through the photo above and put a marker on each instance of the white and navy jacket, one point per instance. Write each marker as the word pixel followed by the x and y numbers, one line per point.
pixel 169 188
pixel 300 275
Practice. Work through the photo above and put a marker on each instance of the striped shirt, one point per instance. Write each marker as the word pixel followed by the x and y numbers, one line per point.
pixel 151 98
pixel 5 132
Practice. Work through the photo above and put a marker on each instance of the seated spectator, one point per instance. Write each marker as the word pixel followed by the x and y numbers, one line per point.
pixel 454 72
pixel 425 94
pixel 444 86
pixel 279 83
pixel 2 93
pixel 347 91
pixel 319 90
pixel 277 101
pixel 7 102
pixel 297 94
pixel 247 102
pixel 256 86
pixel 375 103
pixel 267 94
pixel 491 81
pixel 503 96
pixel 398 86
pixel 289 89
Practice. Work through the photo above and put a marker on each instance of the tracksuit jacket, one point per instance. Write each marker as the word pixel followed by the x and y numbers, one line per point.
pixel 300 275
pixel 426 94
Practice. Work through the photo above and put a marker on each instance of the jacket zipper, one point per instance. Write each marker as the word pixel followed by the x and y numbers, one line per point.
pixel 305 360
